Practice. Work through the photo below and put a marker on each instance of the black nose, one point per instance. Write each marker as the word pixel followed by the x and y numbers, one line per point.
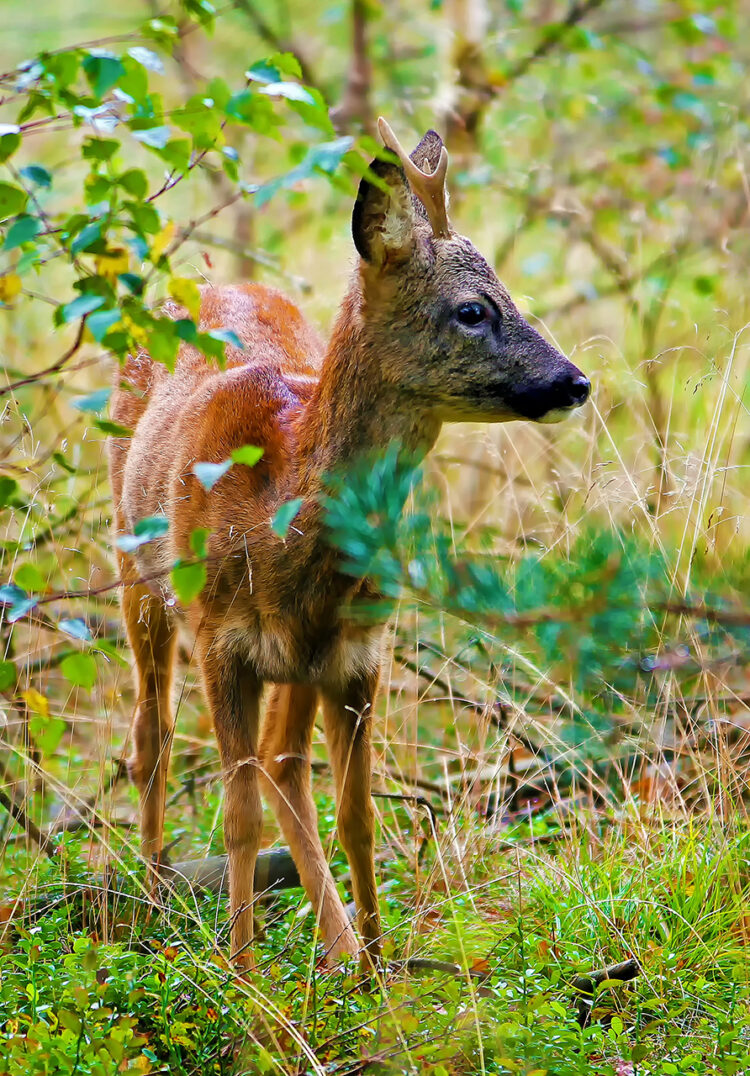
pixel 579 388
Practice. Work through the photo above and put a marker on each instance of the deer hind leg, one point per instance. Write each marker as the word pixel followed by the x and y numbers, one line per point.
pixel 152 638
pixel 347 717
pixel 285 755
pixel 233 693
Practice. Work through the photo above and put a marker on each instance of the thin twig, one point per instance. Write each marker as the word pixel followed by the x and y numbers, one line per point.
pixel 553 37
pixel 30 828
pixel 53 369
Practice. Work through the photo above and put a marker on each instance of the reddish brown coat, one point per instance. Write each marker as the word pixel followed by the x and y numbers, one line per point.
pixel 426 333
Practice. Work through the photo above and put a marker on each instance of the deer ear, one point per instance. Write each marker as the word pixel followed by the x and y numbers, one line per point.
pixel 383 221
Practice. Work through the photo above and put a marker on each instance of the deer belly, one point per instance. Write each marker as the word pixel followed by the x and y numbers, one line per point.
pixel 281 656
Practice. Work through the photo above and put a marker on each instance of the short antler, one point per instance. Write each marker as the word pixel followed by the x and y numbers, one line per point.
pixel 429 187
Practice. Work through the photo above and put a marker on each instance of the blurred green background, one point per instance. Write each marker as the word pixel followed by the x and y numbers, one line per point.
pixel 605 180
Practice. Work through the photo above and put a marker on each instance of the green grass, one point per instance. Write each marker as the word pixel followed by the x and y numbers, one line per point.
pixel 104 980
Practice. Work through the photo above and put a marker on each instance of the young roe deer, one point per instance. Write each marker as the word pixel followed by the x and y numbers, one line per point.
pixel 426 334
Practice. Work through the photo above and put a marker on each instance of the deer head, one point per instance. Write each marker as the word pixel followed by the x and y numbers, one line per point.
pixel 446 331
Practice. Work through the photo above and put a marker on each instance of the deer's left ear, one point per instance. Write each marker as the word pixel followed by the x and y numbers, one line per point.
pixel 383 221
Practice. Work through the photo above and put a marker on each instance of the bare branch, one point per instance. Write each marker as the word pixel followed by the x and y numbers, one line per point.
pixel 53 369
pixel 553 37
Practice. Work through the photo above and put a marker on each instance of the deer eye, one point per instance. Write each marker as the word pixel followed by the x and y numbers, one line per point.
pixel 471 313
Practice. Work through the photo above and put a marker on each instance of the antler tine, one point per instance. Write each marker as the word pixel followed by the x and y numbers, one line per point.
pixel 429 187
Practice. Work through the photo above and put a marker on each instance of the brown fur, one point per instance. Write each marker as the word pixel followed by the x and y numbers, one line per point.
pixel 274 611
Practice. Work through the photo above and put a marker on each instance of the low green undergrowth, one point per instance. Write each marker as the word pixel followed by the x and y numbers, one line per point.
pixel 96 982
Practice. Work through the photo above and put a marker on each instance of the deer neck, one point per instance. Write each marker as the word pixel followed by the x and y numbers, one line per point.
pixel 358 411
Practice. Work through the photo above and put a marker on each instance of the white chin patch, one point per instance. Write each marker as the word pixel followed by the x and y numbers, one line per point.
pixel 558 414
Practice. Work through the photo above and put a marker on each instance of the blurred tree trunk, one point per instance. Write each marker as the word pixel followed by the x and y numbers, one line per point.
pixel 468 87
pixel 355 111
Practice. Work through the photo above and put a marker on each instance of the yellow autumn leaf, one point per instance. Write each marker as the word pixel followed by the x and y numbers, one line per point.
pixel 186 293
pixel 112 262
pixel 162 240
pixel 36 701
pixel 179 1033
pixel 139 334
pixel 10 286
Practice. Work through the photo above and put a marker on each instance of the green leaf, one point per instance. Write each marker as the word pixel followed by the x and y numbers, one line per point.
pixel 101 322
pixel 95 401
pixel 9 490
pixel 188 581
pixel 227 336
pixel 145 218
pixel 208 474
pixel 263 71
pixel 12 200
pixel 325 158
pixel 153 137
pixel 134 84
pixel 283 517
pixel 134 181
pixel 47 731
pixel 252 109
pixel 79 670
pixel 314 113
pixel 106 646
pixel 78 308
pixel 114 429
pixel 132 282
pixel 704 285
pixel 19 609
pixel 248 454
pixel 145 530
pixel 22 230
pixel 163 29
pixel 198 539
pixel 30 578
pixel 176 154
pixel 186 330
pixel 212 346
pixel 204 11
pixel 219 92
pixel 163 342
pixel 147 58
pixel 102 70
pixel 99 149
pixel 37 174
pixel 200 118
pixel 70 1021
pixel 87 237
pixel 60 460
pixel 230 163
pixel 97 188
pixel 75 627
pixel 292 91
pixel 274 67
pixel 62 67
pixel 7 675
pixel 10 140
pixel 10 594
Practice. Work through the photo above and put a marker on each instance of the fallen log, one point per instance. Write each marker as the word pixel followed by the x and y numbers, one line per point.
pixel 274 870
pixel 586 985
